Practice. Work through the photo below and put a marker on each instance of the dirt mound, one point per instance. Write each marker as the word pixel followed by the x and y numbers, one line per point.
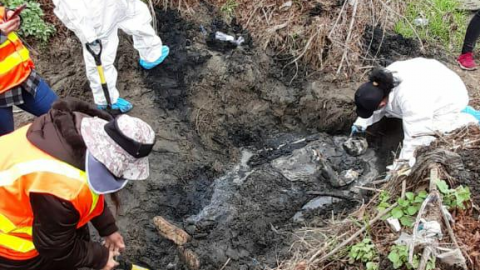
pixel 386 47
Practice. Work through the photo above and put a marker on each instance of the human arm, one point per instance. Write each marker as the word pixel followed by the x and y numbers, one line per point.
pixel 106 227
pixel 55 234
pixel 363 123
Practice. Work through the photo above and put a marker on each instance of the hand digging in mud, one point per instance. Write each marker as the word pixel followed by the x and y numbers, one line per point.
pixel 114 242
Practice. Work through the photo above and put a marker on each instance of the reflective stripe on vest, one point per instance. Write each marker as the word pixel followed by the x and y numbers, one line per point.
pixel 8 230
pixel 15 62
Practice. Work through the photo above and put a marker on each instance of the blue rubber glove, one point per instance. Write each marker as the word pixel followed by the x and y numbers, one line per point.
pixel 357 130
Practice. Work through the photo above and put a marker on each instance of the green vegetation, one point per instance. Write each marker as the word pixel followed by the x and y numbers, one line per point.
pixel 407 208
pixel 229 8
pixel 398 256
pixel 365 252
pixel 454 198
pixel 33 24
pixel 446 23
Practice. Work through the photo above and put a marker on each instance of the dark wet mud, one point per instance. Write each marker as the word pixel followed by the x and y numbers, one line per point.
pixel 243 156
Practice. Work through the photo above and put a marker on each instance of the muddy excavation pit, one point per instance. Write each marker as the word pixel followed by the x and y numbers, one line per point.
pixel 243 157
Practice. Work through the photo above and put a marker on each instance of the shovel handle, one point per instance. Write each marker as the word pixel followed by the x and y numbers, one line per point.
pixel 96 56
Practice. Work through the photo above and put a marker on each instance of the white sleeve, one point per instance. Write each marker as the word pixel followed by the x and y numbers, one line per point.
pixel 73 14
pixel 417 129
pixel 366 122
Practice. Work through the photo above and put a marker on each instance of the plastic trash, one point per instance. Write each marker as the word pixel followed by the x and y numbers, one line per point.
pixel 394 224
pixel 430 229
pixel 224 37
pixel 420 22
pixel 450 257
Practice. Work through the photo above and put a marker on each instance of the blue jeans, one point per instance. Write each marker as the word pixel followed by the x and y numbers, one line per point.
pixel 38 105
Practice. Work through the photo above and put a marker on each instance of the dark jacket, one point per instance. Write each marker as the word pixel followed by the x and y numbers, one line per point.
pixel 60 244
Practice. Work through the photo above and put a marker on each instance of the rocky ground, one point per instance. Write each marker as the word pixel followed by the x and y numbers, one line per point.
pixel 244 154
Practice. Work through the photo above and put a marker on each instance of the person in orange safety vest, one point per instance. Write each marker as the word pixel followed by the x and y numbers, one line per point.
pixel 20 84
pixel 54 174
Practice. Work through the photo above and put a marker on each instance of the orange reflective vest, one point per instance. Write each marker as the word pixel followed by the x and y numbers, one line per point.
pixel 25 169
pixel 15 62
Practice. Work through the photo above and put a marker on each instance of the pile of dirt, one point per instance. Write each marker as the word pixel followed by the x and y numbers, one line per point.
pixel 385 47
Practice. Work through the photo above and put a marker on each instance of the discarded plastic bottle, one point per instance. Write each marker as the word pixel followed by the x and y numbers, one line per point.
pixel 420 22
pixel 224 37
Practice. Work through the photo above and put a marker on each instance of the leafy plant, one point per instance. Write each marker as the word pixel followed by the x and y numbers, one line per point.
pixel 407 208
pixel 229 8
pixel 446 22
pixel 32 20
pixel 398 256
pixel 365 252
pixel 384 201
pixel 454 198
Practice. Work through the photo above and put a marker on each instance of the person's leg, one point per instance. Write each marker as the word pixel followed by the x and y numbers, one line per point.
pixel 470 110
pixel 145 40
pixel 472 34
pixel 466 60
pixel 42 102
pixel 110 45
pixel 6 120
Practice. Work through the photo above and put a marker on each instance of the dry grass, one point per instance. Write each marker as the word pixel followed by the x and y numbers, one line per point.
pixel 326 35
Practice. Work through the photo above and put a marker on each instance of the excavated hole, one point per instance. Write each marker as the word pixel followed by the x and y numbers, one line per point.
pixel 242 158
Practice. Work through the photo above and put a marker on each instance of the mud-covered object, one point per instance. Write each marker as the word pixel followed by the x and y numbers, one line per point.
pixel 355 146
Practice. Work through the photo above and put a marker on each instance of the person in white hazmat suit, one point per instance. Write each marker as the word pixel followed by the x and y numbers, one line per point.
pixel 96 21
pixel 424 93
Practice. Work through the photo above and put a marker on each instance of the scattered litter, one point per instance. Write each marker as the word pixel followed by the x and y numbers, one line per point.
pixel 224 37
pixel 451 257
pixel 420 22
pixel 430 229
pixel 394 224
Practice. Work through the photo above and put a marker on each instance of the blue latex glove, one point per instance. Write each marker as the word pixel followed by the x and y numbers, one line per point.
pixel 357 130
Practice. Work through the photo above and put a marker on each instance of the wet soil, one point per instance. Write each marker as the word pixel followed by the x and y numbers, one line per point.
pixel 209 104
pixel 387 47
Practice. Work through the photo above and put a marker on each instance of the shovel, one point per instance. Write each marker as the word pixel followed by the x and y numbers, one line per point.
pixel 124 264
pixel 95 49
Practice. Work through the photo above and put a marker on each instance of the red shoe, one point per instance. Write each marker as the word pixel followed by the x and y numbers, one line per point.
pixel 466 61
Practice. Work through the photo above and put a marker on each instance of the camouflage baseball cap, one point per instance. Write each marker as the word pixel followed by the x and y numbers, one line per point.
pixel 117 151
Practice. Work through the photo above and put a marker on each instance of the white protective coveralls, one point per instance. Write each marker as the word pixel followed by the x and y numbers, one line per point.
pixel 428 98
pixel 101 19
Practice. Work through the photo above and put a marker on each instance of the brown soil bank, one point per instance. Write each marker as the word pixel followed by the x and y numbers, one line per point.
pixel 211 103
